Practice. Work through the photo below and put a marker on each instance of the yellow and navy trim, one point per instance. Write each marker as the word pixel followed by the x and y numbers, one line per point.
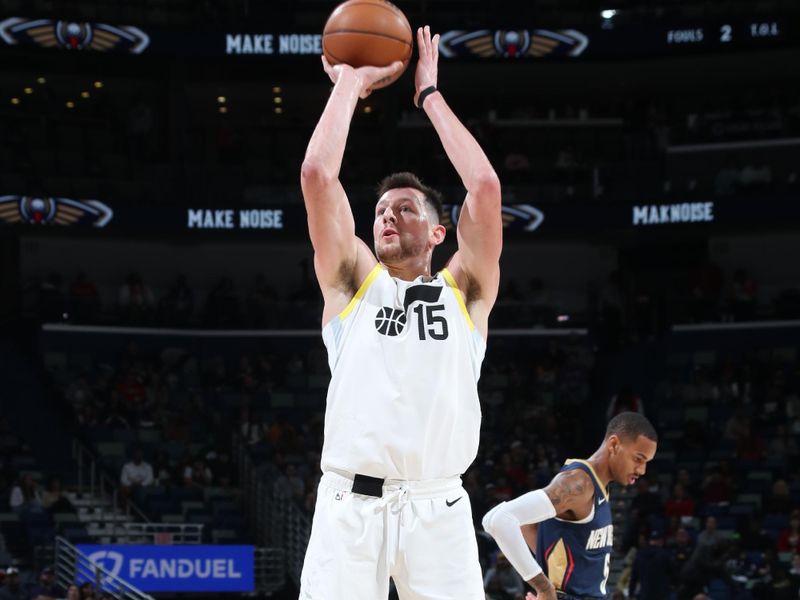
pixel 448 277
pixel 587 464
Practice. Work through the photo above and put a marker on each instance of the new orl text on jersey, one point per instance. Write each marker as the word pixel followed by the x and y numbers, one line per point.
pixel 601 538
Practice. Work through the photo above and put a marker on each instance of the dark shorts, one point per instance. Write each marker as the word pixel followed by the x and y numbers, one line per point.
pixel 565 596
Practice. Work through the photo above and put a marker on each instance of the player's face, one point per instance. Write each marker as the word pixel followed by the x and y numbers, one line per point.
pixel 629 458
pixel 402 227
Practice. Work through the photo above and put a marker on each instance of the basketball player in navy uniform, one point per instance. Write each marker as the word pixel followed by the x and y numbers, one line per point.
pixel 568 523
pixel 405 348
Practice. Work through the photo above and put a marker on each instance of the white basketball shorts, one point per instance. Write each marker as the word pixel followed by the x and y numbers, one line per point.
pixel 419 533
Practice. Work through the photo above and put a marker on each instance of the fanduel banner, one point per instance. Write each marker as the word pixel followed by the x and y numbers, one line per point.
pixel 179 568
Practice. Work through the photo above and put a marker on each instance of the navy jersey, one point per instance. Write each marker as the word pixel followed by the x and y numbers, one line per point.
pixel 576 555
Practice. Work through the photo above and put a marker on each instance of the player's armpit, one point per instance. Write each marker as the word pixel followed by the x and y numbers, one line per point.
pixel 570 490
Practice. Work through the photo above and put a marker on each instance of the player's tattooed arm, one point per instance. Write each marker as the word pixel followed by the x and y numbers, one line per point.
pixel 570 490
pixel 543 586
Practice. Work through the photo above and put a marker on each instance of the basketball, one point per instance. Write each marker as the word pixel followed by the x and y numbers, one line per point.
pixel 368 32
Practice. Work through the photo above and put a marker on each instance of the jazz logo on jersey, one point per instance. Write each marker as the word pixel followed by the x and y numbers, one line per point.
pixel 601 538
pixel 430 325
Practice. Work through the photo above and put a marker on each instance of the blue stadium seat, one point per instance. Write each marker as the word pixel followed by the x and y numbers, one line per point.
pixel 778 522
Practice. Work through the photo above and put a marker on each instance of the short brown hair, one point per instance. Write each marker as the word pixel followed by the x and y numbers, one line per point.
pixel 405 179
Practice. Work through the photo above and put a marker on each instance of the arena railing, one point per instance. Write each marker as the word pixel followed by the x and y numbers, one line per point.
pixel 73 567
pixel 93 481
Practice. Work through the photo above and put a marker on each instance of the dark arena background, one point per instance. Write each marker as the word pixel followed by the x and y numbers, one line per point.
pixel 158 302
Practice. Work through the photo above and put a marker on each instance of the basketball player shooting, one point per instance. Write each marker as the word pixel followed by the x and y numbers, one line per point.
pixel 568 523
pixel 405 348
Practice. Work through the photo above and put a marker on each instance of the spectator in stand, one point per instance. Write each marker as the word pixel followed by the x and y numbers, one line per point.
pixel 290 484
pixel 717 486
pixel 794 575
pixel 79 392
pixel 682 550
pixel 737 426
pixel 197 474
pixel 163 474
pixel 685 479
pixel 136 473
pixel 651 570
pixel 780 502
pixel 751 447
pixel 12 590
pixel 73 593
pixel 502 582
pixel 136 300
pixel 708 539
pixel 53 499
pixel 26 495
pixel 754 538
pixel 706 283
pixel 84 300
pixel 625 401
pixel 644 507
pixel 789 539
pixel 224 470
pixel 47 588
pixel 254 429
pixel 87 591
pixel 223 304
pixel 744 292
pixel 177 306
pixel 679 505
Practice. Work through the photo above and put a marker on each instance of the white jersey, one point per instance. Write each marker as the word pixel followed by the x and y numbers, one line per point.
pixel 405 360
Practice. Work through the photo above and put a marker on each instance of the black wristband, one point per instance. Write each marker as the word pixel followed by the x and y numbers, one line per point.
pixel 424 94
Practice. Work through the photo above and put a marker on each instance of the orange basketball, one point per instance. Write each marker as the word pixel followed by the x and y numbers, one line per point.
pixel 368 32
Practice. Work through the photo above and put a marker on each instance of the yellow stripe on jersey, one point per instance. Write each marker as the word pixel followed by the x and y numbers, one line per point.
pixel 569 461
pixel 448 277
pixel 361 291
pixel 557 564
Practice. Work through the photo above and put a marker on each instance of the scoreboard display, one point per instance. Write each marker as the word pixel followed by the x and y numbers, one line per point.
pixel 620 42
pixel 608 41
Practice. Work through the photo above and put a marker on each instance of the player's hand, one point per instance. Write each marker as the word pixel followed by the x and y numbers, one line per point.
pixel 428 64
pixel 544 588
pixel 367 77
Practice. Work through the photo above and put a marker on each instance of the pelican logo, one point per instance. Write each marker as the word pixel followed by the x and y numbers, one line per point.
pixel 110 561
pixel 73 35
pixel 510 44
pixel 485 43
pixel 34 210
pixel 515 216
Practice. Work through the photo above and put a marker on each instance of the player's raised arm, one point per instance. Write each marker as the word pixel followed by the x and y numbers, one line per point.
pixel 480 225
pixel 330 219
